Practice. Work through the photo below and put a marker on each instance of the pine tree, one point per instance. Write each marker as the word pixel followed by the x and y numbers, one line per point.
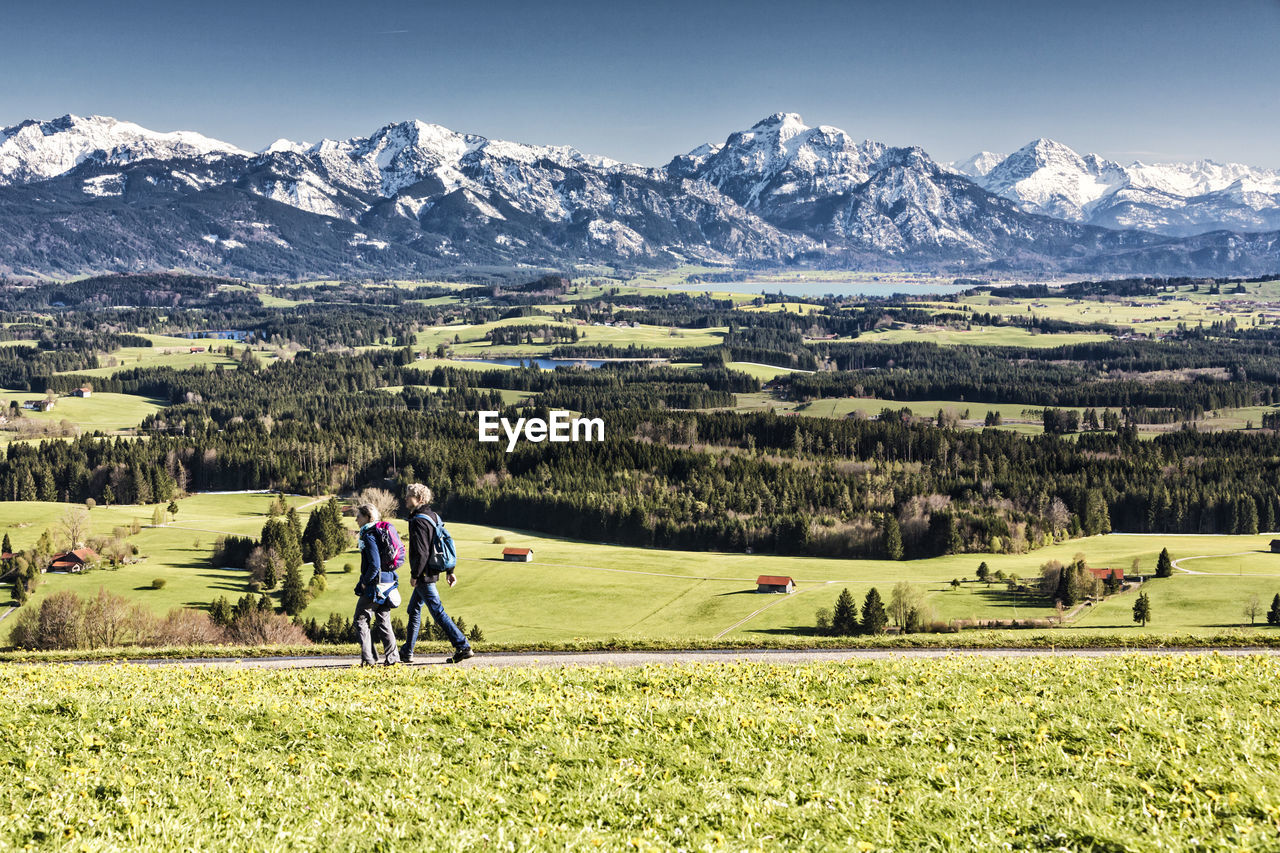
pixel 874 617
pixel 220 611
pixel 984 572
pixel 295 525
pixel 293 593
pixel 313 537
pixel 7 547
pixel 892 537
pixel 279 536
pixel 1142 610
pixel 108 496
pixel 1097 516
pixel 1248 516
pixel 335 534
pixel 1164 565
pixel 844 619
pixel 1273 615
pixel 172 509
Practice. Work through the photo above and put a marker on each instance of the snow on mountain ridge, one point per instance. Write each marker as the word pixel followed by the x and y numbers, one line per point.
pixel 1049 178
pixel 35 150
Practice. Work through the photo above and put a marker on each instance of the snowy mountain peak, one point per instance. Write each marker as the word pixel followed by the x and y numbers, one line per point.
pixel 978 165
pixel 789 120
pixel 283 146
pixel 1048 177
pixel 38 150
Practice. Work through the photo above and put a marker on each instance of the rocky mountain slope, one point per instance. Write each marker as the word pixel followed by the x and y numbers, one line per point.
pixel 93 194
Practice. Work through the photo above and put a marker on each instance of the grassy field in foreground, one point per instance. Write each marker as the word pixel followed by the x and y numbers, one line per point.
pixel 1133 753
pixel 584 591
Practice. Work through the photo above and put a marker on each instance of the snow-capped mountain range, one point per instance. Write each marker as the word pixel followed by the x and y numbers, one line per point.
pixel 92 194
pixel 1176 199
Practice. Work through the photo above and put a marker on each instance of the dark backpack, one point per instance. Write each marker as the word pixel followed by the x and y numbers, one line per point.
pixel 443 557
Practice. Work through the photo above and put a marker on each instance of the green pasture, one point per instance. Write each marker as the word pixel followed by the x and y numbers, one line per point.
pixel 166 351
pixel 582 590
pixel 763 372
pixel 956 754
pixel 1146 314
pixel 471 341
pixel 102 411
pixel 1018 417
pixel 979 336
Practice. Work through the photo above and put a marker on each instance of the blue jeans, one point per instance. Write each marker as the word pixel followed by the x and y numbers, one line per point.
pixel 425 593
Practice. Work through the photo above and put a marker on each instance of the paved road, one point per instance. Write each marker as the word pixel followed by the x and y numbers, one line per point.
pixel 624 659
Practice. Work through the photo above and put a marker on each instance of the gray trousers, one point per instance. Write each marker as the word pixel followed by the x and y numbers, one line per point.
pixel 366 610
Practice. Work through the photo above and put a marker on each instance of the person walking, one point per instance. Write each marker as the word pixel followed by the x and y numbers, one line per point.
pixel 367 609
pixel 425 565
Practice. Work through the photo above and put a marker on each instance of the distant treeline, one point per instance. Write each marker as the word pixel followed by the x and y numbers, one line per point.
pixel 703 480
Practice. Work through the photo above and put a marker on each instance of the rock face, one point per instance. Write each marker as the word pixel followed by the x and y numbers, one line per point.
pixel 95 194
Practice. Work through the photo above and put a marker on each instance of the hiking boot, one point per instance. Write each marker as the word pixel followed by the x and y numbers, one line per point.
pixel 460 655
pixel 406 659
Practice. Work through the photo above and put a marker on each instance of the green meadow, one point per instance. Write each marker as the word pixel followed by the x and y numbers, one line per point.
pixel 469 341
pixel 165 351
pixel 980 336
pixel 102 411
pixel 591 591
pixel 1126 753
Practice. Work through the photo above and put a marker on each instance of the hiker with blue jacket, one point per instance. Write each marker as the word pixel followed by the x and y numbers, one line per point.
pixel 429 555
pixel 378 596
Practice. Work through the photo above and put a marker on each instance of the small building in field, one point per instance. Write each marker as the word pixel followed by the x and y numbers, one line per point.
pixel 74 561
pixel 82 391
pixel 1275 546
pixel 1104 574
pixel 775 583
pixel 197 349
pixel 517 555
pixel 38 405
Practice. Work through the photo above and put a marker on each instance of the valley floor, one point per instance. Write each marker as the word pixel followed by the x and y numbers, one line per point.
pixel 577 591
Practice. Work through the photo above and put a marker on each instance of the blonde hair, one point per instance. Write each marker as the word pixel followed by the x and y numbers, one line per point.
pixel 418 492
pixel 370 512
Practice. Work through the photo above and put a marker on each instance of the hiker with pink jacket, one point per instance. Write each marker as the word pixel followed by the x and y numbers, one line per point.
pixel 381 554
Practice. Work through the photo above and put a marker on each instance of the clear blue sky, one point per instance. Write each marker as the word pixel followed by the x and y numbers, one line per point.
pixel 644 81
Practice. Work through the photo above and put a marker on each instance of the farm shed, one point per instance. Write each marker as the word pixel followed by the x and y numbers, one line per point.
pixel 73 561
pixel 775 583
pixel 1275 546
pixel 82 391
pixel 1103 574
pixel 517 555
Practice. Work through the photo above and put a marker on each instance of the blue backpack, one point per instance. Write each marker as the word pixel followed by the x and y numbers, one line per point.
pixel 444 558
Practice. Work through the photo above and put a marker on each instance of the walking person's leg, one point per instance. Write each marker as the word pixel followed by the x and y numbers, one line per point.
pixel 415 624
pixel 436 608
pixel 382 624
pixel 364 610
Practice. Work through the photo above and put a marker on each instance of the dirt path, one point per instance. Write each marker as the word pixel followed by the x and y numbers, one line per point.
pixel 630 659
pixel 781 599
pixel 1177 565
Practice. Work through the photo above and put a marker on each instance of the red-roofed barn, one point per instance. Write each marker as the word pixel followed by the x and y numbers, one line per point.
pixel 775 583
